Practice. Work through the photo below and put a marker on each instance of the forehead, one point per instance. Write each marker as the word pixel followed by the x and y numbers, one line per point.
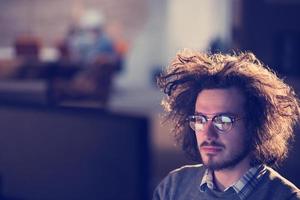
pixel 211 101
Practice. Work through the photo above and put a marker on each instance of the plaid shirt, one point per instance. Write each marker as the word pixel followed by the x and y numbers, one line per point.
pixel 243 187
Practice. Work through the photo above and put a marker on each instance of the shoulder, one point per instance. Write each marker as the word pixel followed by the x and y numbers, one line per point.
pixel 278 179
pixel 187 171
pixel 280 184
pixel 180 181
pixel 185 174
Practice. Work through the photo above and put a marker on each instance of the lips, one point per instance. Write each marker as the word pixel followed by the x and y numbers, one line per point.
pixel 211 149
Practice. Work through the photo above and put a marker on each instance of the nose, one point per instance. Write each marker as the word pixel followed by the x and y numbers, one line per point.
pixel 210 131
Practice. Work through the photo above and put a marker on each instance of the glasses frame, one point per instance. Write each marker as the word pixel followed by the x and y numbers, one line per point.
pixel 233 117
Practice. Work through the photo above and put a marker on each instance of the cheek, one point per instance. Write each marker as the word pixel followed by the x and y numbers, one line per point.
pixel 199 139
pixel 234 141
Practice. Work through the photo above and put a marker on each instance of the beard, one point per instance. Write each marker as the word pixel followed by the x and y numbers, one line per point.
pixel 229 162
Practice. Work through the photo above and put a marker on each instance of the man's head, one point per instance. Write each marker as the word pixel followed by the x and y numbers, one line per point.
pixel 219 126
pixel 264 109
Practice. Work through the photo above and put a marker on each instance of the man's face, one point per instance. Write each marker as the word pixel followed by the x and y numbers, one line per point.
pixel 220 150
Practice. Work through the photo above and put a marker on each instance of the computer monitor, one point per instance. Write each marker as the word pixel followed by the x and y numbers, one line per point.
pixel 72 154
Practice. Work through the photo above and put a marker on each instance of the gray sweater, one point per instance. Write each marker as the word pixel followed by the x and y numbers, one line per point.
pixel 184 184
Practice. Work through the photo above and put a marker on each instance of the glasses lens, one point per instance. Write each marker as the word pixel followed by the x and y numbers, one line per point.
pixel 197 122
pixel 223 122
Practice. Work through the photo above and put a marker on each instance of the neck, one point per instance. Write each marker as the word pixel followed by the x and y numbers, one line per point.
pixel 227 177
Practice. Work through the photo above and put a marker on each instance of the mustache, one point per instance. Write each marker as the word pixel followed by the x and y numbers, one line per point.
pixel 212 143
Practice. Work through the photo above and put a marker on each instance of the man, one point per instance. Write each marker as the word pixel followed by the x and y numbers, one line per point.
pixel 87 40
pixel 236 117
pixel 89 47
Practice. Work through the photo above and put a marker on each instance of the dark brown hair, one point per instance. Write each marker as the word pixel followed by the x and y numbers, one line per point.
pixel 271 106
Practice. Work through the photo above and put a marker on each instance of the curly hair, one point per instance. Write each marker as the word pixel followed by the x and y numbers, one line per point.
pixel 271 106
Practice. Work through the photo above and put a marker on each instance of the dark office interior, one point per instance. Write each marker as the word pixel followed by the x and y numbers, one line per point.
pixel 74 129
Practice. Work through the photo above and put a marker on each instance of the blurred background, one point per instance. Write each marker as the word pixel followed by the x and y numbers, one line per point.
pixel 79 107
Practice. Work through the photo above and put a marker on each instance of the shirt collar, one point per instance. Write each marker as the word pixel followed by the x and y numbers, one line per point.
pixel 242 187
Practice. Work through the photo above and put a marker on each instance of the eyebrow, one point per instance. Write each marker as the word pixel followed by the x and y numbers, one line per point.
pixel 218 113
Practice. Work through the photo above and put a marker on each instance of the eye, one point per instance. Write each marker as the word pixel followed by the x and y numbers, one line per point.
pixel 223 122
pixel 200 119
pixel 197 122
pixel 223 119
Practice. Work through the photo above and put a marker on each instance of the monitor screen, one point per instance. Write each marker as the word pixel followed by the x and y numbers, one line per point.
pixel 70 154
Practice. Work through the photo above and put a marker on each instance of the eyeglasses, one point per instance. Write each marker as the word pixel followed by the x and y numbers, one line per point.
pixel 222 122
